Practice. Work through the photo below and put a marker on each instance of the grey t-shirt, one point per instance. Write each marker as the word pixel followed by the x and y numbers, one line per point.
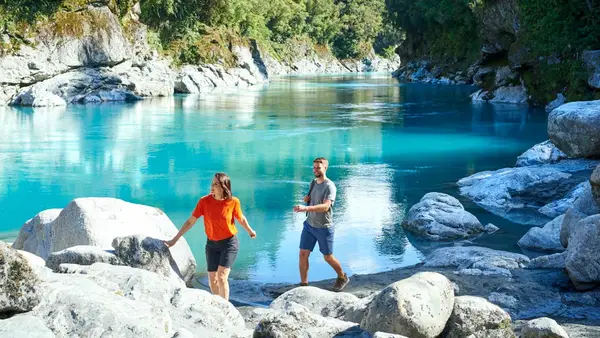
pixel 318 194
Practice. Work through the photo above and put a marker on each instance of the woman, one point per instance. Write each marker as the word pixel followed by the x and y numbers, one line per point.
pixel 219 210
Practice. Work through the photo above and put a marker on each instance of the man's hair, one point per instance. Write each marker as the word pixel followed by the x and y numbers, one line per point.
pixel 322 160
pixel 225 184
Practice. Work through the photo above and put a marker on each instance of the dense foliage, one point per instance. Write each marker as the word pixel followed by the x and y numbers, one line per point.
pixel 438 29
pixel 201 30
pixel 349 27
pixel 551 35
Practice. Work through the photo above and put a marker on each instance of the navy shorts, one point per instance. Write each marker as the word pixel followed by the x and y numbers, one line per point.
pixel 310 236
pixel 221 253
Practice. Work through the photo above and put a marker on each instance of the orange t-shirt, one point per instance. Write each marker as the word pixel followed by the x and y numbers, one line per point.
pixel 218 216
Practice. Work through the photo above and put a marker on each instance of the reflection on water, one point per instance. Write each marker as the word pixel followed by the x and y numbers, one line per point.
pixel 388 144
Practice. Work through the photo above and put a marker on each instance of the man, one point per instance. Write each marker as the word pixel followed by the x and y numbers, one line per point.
pixel 318 224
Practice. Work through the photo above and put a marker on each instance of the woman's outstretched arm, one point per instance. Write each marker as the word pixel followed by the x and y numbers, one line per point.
pixel 186 226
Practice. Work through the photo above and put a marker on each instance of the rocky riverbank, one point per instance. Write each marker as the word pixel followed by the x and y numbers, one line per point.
pixel 105 61
pixel 98 267
pixel 504 68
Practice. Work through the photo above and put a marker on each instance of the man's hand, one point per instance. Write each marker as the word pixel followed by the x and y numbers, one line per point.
pixel 300 208
pixel 252 233
pixel 306 199
pixel 170 243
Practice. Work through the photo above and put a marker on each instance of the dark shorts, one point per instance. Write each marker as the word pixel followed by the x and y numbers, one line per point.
pixel 221 253
pixel 310 236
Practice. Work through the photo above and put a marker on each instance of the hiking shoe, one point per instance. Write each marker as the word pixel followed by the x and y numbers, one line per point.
pixel 340 283
pixel 303 284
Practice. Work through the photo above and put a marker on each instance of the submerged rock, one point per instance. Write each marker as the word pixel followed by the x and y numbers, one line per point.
pixel 541 153
pixel 473 260
pixel 441 217
pixel 546 238
pixel 518 193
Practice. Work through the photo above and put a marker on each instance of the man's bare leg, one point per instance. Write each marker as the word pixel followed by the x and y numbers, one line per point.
pixel 303 260
pixel 335 264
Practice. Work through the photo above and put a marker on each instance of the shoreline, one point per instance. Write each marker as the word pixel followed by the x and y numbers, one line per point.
pixel 536 293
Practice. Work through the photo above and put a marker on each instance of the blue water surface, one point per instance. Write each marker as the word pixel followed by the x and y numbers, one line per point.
pixel 388 145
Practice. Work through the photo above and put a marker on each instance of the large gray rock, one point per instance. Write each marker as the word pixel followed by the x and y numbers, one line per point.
pixel 472 260
pixel 36 262
pixel 130 301
pixel 510 94
pixel 205 314
pixel 591 58
pixel 19 284
pixel 253 315
pixel 517 193
pixel 322 302
pixel 358 310
pixel 298 321
pixel 440 217
pixel 477 318
pixel 6 94
pixel 543 328
pixel 99 41
pixel 24 325
pixel 583 254
pixel 584 206
pixel 541 153
pixel 554 261
pixel 575 128
pixel 546 238
pixel 246 60
pixel 86 85
pixel 595 184
pixel 416 307
pixel 148 79
pixel 96 222
pixel 76 306
pixel 38 96
pixel 147 253
pixel 196 79
pixel 81 255
pixel 560 207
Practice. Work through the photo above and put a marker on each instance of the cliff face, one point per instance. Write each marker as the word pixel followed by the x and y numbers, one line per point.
pixel 506 69
pixel 88 55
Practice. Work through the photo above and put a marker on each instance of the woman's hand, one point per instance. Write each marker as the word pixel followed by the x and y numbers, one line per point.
pixel 170 243
pixel 306 199
pixel 252 233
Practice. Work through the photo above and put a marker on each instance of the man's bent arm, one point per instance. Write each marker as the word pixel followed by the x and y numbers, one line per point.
pixel 323 207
